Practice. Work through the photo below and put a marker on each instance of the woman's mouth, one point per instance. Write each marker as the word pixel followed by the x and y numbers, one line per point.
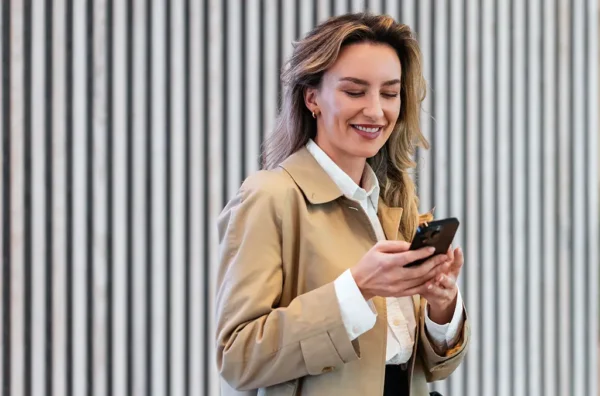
pixel 367 131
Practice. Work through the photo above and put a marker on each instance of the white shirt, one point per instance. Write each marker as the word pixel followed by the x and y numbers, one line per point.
pixel 358 314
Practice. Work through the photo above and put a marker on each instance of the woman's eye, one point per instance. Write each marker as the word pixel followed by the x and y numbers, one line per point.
pixel 354 94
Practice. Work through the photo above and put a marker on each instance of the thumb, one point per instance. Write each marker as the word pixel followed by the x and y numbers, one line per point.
pixel 458 262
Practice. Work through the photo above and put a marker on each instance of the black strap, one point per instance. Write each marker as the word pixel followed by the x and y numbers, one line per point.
pixel 396 381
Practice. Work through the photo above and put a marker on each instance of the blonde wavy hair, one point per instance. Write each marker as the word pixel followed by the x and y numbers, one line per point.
pixel 316 53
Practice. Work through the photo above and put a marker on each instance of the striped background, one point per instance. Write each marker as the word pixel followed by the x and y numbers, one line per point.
pixel 127 124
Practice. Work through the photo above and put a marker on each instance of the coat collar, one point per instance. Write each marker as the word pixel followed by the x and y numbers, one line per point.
pixel 319 188
pixel 311 178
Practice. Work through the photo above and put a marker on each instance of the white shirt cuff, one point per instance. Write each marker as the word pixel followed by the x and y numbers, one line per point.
pixel 358 315
pixel 446 336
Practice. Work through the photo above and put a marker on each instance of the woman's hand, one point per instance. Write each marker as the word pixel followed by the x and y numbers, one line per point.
pixel 442 291
pixel 382 271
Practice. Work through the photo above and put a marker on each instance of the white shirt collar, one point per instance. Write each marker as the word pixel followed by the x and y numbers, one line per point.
pixel 344 182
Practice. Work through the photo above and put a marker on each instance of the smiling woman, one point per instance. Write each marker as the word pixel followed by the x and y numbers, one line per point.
pixel 357 114
pixel 375 61
pixel 314 250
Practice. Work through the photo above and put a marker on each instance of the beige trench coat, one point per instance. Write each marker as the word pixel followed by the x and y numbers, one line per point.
pixel 284 238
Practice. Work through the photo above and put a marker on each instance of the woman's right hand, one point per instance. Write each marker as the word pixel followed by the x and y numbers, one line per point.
pixel 382 272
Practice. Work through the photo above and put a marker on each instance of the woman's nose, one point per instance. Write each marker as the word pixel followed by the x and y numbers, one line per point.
pixel 373 108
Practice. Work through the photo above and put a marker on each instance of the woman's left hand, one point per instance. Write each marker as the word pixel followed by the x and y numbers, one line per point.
pixel 442 292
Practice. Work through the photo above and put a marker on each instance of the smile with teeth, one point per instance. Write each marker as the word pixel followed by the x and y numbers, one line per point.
pixel 365 129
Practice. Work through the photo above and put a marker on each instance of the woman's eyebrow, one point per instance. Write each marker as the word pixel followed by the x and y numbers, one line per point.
pixel 364 82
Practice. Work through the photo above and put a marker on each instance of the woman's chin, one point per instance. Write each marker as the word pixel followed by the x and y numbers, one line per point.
pixel 365 151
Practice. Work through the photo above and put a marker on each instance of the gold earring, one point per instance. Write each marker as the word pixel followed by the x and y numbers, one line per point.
pixel 314 116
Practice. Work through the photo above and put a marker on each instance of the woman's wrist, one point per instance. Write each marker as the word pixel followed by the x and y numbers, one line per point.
pixel 442 314
pixel 358 279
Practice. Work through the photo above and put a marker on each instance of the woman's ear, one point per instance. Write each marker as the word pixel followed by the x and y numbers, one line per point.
pixel 310 100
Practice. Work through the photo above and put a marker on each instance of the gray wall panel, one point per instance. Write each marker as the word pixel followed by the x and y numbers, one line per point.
pixel 3 201
pixel 127 125
pixel 471 193
pixel 16 196
pixel 591 38
pixel 564 196
pixel 549 204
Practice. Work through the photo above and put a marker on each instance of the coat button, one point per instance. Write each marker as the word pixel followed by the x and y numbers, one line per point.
pixel 396 322
pixel 327 369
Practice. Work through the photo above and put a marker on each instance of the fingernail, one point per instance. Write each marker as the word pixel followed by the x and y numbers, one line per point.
pixel 440 278
pixel 429 286
pixel 430 249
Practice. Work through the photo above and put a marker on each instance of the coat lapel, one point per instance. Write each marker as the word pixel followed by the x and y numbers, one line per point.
pixel 390 220
pixel 417 303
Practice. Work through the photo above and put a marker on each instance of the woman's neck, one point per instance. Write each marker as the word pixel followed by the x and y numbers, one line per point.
pixel 352 166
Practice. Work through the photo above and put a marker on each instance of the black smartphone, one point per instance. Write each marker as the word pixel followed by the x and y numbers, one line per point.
pixel 438 233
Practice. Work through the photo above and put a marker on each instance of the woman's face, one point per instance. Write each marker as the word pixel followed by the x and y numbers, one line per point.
pixel 358 102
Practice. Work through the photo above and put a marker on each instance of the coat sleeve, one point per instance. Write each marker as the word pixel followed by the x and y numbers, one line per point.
pixel 260 343
pixel 438 367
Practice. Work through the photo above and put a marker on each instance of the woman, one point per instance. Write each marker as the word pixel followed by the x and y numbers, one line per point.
pixel 312 294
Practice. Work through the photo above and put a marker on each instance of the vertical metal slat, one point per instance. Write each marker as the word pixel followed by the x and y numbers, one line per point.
pixel 592 209
pixel 534 213
pixel 99 173
pixel 471 223
pixel 456 96
pixel 216 174
pixel 564 204
pixel 141 223
pixel 577 165
pixel 17 210
pixel 178 213
pixel 503 340
pixel 37 210
pixel 550 354
pixel 4 215
pixel 120 264
pixel 197 238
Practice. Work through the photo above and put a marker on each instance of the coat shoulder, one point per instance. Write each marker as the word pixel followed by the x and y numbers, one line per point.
pixel 274 181
pixel 260 198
